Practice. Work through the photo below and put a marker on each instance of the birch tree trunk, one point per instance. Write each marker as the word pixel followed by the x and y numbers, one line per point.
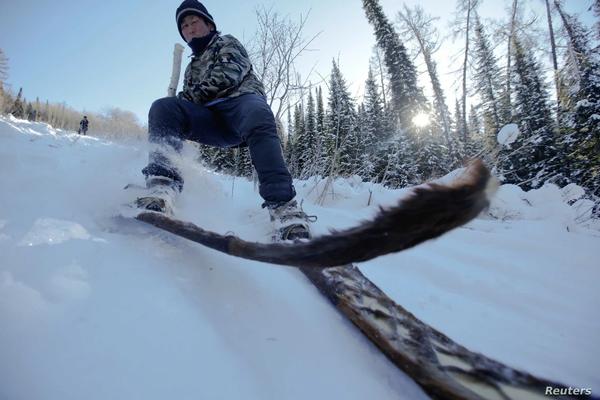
pixel 554 61
pixel 464 76
pixel 419 26
pixel 381 74
pixel 509 53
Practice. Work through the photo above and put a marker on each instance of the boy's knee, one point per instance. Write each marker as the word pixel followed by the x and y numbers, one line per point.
pixel 260 122
pixel 162 107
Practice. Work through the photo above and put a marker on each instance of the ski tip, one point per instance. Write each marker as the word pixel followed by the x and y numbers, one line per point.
pixel 475 174
pixel 478 177
pixel 482 177
pixel 458 201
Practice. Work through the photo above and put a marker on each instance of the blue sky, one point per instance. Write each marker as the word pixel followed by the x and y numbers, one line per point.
pixel 93 54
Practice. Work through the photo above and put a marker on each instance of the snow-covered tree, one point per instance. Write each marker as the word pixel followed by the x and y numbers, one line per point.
pixel 375 127
pixel 321 156
pixel 289 150
pixel 399 168
pixel 459 120
pixel 488 84
pixel 420 28
pixel 462 26
pixel 222 160
pixel 308 156
pixel 340 124
pixel 581 104
pixel 407 97
pixel 381 74
pixel 476 146
pixel 531 160
pixel 554 59
pixel 243 162
pixel 596 7
pixel 365 157
pixel 376 124
pixel 475 126
pixel 299 139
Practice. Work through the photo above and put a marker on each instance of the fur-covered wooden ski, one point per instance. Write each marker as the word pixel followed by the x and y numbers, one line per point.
pixel 430 211
pixel 443 368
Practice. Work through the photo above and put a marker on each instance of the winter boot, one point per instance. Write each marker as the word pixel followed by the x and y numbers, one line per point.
pixel 290 221
pixel 162 192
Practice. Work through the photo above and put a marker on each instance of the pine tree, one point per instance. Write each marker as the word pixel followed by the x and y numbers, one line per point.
pixel 596 7
pixel 17 109
pixel 488 84
pixel 400 169
pixel 478 142
pixel 475 122
pixel 376 63
pixel 364 157
pixel 581 105
pixel 321 155
pixel 223 160
pixel 531 159
pixel 309 156
pixel 243 162
pixel 373 125
pixel 408 99
pixel 46 113
pixel 458 119
pixel 289 153
pixel 464 150
pixel 299 142
pixel 375 119
pixel 340 124
pixel 38 109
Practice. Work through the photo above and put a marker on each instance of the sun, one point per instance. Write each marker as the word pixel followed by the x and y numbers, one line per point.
pixel 421 120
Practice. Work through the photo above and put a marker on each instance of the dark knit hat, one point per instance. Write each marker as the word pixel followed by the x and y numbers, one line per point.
pixel 192 7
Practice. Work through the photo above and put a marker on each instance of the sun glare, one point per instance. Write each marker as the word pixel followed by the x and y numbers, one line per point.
pixel 421 120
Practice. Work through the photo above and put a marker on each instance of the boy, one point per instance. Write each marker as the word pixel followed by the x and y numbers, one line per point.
pixel 222 104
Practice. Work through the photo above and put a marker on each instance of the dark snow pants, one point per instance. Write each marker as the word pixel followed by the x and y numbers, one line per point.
pixel 226 123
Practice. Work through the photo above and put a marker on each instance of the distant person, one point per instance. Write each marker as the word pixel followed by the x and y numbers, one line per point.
pixel 222 104
pixel 83 125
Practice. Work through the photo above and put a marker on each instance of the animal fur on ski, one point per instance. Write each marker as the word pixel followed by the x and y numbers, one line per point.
pixel 431 210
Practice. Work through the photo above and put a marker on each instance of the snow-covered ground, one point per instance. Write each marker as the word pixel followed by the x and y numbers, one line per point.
pixel 92 309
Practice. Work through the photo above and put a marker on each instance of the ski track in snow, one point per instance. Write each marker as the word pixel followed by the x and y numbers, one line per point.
pixel 94 308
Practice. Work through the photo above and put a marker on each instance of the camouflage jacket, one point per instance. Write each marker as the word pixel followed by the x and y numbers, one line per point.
pixel 223 70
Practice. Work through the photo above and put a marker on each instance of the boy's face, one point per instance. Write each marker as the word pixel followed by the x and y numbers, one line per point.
pixel 194 26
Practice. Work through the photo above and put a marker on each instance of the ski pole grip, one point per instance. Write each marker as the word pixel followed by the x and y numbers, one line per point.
pixel 177 54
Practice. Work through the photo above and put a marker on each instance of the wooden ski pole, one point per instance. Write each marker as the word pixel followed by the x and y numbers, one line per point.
pixel 177 55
